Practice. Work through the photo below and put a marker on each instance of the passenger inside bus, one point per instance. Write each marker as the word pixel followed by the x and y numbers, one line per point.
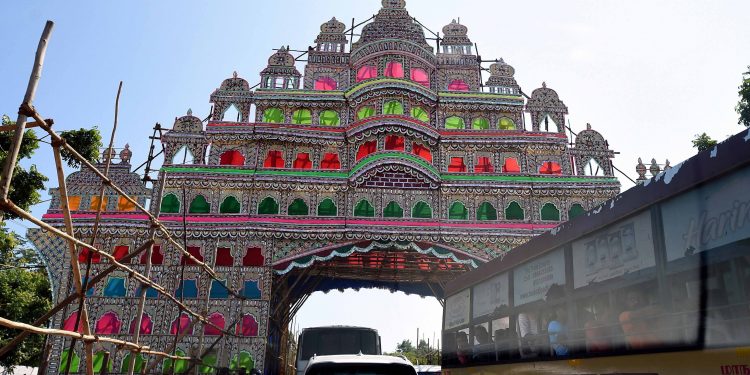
pixel 642 322
pixel 557 330
pixel 602 330
pixel 462 347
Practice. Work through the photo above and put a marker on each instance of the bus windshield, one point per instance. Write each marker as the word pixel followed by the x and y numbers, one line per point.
pixel 335 340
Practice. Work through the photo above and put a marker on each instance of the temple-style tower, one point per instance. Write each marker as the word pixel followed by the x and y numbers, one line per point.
pixel 389 166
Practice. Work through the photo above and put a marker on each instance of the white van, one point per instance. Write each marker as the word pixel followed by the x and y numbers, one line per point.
pixel 334 340
pixel 359 364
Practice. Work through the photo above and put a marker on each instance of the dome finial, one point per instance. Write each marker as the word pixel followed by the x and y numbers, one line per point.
pixel 544 85
pixel 588 126
pixel 190 112
pixel 234 74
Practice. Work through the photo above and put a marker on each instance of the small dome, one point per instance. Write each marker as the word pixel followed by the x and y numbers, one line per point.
pixel 333 26
pixel 501 75
pixel 455 29
pixel 126 154
pixel 545 100
pixel 590 139
pixel 108 154
pixel 332 32
pixel 235 84
pixel 282 57
pixel 394 4
pixel 188 124
pixel 455 34
pixel 501 69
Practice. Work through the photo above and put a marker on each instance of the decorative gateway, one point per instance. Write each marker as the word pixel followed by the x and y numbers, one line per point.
pixel 389 165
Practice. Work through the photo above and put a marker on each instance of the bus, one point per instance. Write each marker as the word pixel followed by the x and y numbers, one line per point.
pixel 334 340
pixel 653 281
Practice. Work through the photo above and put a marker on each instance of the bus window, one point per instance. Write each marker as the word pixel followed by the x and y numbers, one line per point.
pixel 484 348
pixel 643 320
pixel 462 346
pixel 602 332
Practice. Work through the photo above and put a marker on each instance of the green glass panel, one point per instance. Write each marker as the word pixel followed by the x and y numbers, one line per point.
pixel 302 117
pixel 550 212
pixel 514 212
pixel 365 112
pixel 364 209
pixel 199 205
pixel 458 212
pixel 268 206
pixel 575 211
pixel 393 210
pixel 244 360
pixel 209 362
pixel 99 363
pixel 230 206
pixel 140 361
pixel 486 212
pixel 74 361
pixel 170 204
pixel 298 208
pixel 454 122
pixel 180 365
pixel 273 115
pixel 421 210
pixel 327 208
pixel 330 118
pixel 480 123
pixel 506 124
pixel 420 114
pixel 393 107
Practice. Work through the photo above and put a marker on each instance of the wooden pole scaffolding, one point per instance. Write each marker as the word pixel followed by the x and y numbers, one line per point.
pixel 86 338
pixel 149 252
pixel 28 99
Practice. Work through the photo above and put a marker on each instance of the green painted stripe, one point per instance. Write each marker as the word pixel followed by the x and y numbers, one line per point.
pixel 360 165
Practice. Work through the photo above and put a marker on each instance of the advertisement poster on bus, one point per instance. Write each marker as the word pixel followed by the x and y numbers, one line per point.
pixel 708 217
pixel 457 309
pixel 627 246
pixel 490 295
pixel 532 280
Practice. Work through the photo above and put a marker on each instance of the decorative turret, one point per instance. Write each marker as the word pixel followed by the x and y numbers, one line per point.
pixel 456 40
pixel 393 22
pixel 186 143
pixel 232 100
pixel 280 72
pixel 501 79
pixel 592 154
pixel 547 110
pixel 331 37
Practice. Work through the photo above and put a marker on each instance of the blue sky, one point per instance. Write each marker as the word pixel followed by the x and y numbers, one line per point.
pixel 648 75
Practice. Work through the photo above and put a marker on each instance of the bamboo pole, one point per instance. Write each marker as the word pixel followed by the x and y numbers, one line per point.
pixel 70 298
pixel 106 180
pixel 83 317
pixel 149 252
pixel 8 205
pixel 86 338
pixel 153 219
pixel 28 100
pixel 29 125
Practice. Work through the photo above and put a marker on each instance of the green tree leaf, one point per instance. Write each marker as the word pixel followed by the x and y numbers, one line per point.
pixel 86 141
pixel 703 142
pixel 743 107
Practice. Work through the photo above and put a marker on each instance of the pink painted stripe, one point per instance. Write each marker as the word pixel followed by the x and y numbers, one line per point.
pixel 93 216
pixel 308 221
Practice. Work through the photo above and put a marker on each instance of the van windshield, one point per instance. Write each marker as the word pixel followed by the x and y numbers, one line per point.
pixel 337 341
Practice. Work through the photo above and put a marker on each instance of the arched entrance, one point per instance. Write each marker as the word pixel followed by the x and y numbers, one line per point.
pixel 420 268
